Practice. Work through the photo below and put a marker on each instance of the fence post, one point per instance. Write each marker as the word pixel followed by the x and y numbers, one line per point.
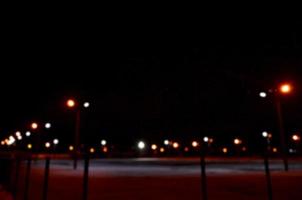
pixel 27 175
pixel 16 180
pixel 46 175
pixel 204 192
pixel 85 177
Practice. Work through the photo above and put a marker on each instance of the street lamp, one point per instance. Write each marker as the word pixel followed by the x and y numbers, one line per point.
pixel 154 147
pixel 141 145
pixel 48 125
pixel 175 145
pixel 29 146
pixel 71 103
pixel 27 133
pixel 283 89
pixel 34 125
pixel 103 142
pixel 262 94
pixel 55 142
pixel 47 145
pixel 237 141
pixel 194 143
pixel 296 138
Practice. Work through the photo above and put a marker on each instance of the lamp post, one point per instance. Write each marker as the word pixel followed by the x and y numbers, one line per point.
pixel 267 136
pixel 73 105
pixel 283 89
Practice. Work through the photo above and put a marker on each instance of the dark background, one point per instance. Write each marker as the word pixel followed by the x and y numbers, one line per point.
pixel 149 79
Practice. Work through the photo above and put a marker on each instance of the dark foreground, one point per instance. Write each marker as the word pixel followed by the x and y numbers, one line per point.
pixel 164 180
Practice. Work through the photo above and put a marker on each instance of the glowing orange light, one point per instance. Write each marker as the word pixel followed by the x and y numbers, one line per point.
pixel 34 125
pixel 2 142
pixel 153 146
pixel 162 150
pixel 296 137
pixel 275 150
pixel 105 149
pixel 47 144
pixel 194 144
pixel 175 145
pixel 71 148
pixel 186 149
pixel 285 88
pixel 70 103
pixel 237 141
pixel 29 146
pixel 92 150
pixel 224 150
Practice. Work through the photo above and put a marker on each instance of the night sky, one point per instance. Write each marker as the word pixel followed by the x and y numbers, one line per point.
pixel 150 81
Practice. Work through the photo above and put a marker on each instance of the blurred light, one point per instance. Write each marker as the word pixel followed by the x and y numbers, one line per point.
pixel 86 104
pixel 225 150
pixel 103 142
pixel 91 150
pixel 47 125
pixel 285 88
pixel 153 146
pixel 291 151
pixel 70 103
pixel 141 145
pixel 270 135
pixel 244 149
pixel 105 149
pixel 175 145
pixel 11 140
pixel 194 144
pixel 27 133
pixel 264 134
pixel 275 150
pixel 55 141
pixel 162 150
pixel 29 146
pixel 47 144
pixel 237 141
pixel 166 142
pixel 262 94
pixel 205 139
pixel 18 133
pixel 186 149
pixel 19 137
pixel 2 142
pixel 211 140
pixel 71 148
pixel 296 137
pixel 6 141
pixel 34 125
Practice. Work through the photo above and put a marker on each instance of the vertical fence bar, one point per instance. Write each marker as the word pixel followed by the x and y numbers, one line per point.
pixel 85 177
pixel 268 178
pixel 16 180
pixel 46 176
pixel 27 175
pixel 204 192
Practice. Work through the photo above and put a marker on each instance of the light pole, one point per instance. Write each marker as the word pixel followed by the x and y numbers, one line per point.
pixel 72 104
pixel 267 136
pixel 283 89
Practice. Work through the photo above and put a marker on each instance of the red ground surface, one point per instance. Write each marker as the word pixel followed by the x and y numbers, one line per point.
pixel 67 184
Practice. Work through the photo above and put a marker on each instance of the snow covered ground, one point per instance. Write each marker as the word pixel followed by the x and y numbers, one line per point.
pixel 131 179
